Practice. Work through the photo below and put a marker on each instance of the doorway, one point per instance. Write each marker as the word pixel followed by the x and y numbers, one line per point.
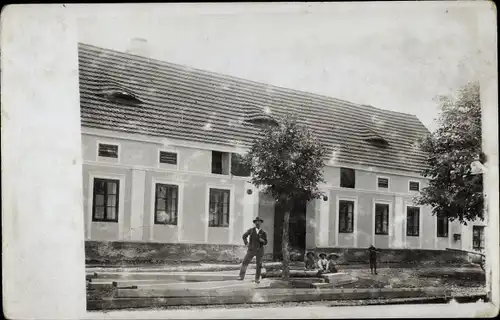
pixel 297 231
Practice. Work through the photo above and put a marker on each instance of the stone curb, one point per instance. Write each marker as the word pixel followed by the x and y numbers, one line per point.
pixel 253 298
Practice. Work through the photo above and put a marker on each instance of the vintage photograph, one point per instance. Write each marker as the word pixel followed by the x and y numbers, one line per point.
pixel 234 160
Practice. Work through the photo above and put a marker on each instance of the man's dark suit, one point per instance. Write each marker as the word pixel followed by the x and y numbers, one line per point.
pixel 255 249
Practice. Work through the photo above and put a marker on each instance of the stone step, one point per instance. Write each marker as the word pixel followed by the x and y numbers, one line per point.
pixel 243 290
pixel 293 273
pixel 202 267
pixel 163 283
pixel 155 302
pixel 243 295
pixel 333 285
pixel 181 276
pixel 339 278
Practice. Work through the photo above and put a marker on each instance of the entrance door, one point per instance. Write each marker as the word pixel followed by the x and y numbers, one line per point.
pixel 297 231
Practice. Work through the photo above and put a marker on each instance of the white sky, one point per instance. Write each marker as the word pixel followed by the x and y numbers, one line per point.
pixel 396 56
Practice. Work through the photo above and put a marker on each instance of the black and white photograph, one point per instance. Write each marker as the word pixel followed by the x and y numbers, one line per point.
pixel 251 158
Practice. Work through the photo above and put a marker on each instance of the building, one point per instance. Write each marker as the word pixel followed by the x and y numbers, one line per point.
pixel 161 144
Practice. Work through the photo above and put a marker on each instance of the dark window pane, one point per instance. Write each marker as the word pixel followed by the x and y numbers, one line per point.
pixel 111 213
pixel 347 178
pixel 112 187
pixel 381 219
pixel 160 204
pixel 238 166
pixel 111 201
pixel 99 200
pixel 166 204
pixel 346 216
pixel 168 157
pixel 219 207
pixel 105 204
pixel 99 213
pixel 414 186
pixel 478 237
pixel 383 183
pixel 108 150
pixel 442 227
pixel 99 186
pixel 413 221
pixel 216 162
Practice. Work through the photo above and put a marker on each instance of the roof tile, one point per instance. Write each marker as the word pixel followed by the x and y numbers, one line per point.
pixel 180 102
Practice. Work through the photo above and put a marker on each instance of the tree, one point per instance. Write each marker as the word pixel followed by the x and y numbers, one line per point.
pixel 453 191
pixel 287 161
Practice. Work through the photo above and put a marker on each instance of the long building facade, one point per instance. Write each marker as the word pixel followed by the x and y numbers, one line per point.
pixel 161 145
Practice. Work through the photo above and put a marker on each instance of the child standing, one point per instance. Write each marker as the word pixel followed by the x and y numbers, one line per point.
pixel 373 259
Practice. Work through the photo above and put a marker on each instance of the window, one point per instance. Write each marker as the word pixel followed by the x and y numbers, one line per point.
pixel 168 157
pixel 105 200
pixel 442 227
pixel 478 238
pixel 414 186
pixel 220 162
pixel 108 150
pixel 238 166
pixel 346 216
pixel 383 183
pixel 347 178
pixel 166 203
pixel 218 208
pixel 120 96
pixel 381 219
pixel 413 221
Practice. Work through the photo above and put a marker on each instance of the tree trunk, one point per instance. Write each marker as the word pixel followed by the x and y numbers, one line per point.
pixel 284 244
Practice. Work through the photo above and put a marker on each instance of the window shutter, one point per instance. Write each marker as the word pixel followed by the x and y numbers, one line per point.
pixel 414 186
pixel 108 150
pixel 383 183
pixel 168 157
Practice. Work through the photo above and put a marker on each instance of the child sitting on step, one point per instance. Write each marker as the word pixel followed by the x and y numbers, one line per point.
pixel 323 263
pixel 331 267
pixel 310 263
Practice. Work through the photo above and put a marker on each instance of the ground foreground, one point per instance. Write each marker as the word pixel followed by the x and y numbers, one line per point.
pixel 174 289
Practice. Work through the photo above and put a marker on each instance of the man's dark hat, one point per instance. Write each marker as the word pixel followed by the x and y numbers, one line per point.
pixel 257 219
pixel 322 255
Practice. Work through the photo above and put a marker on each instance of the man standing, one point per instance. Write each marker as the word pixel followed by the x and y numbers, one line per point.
pixel 258 239
pixel 373 259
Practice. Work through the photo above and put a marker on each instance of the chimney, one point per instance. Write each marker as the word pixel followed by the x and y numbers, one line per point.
pixel 138 46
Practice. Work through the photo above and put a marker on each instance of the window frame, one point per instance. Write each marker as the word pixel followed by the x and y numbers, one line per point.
pixel 230 201
pixel 447 233
pixel 231 162
pixel 118 149
pixel 354 177
pixel 156 221
pixel 117 200
pixel 223 154
pixel 168 164
pixel 408 234
pixel 352 226
pixel 413 181
pixel 378 203
pixel 482 239
pixel 382 188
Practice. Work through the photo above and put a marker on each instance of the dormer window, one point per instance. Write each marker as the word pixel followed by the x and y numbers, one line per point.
pixel 259 116
pixel 117 93
pixel 374 138
pixel 123 96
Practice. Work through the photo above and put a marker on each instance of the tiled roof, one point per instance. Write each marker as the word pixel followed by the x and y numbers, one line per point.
pixel 179 102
